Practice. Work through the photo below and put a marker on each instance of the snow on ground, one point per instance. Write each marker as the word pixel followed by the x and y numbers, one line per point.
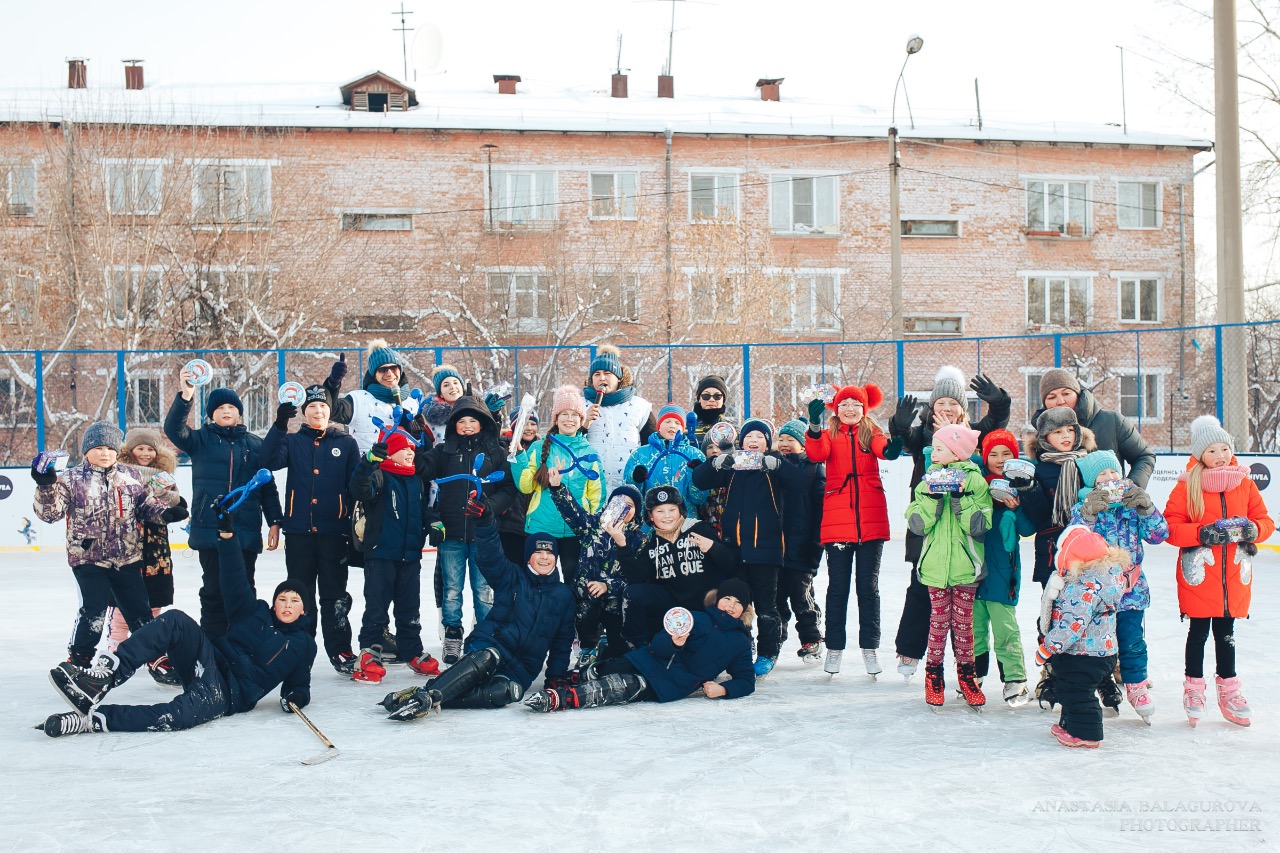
pixel 808 762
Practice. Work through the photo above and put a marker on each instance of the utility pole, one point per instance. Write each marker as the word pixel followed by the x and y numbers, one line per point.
pixel 404 44
pixel 1230 245
pixel 895 239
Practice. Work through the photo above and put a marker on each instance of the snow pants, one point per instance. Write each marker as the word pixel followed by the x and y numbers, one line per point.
pixel 795 593
pixel 861 563
pixel 1076 679
pixel 99 587
pixel 213 613
pixel 320 560
pixel 1131 642
pixel 205 695
pixel 763 580
pixel 991 618
pixel 388 582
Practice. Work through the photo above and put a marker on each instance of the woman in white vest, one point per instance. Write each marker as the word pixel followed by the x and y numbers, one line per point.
pixel 618 419
pixel 382 388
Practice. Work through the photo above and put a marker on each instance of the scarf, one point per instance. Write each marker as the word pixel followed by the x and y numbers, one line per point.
pixel 616 398
pixel 1224 479
pixel 393 467
pixel 1068 482
pixel 383 394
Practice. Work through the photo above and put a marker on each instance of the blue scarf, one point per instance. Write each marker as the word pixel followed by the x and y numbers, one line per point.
pixel 615 398
pixel 382 393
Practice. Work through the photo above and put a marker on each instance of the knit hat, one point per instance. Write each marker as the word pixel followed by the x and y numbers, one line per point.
pixel 670 410
pixel 713 382
pixel 1055 379
pixel 1206 430
pixel 999 438
pixel 380 355
pixel 101 434
pixel 222 397
pixel 959 439
pixel 795 429
pixel 1079 544
pixel 314 394
pixel 868 395
pixel 739 589
pixel 397 441
pixel 539 542
pixel 607 359
pixel 659 495
pixel 1092 464
pixel 290 585
pixel 756 425
pixel 1055 418
pixel 949 384
pixel 141 435
pixel 568 399
pixel 443 372
pixel 515 418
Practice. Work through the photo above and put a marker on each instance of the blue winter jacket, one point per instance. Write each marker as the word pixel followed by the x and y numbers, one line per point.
pixel 802 515
pixel 667 464
pixel 718 643
pixel 317 495
pixel 395 527
pixel 222 459
pixel 1002 554
pixel 532 616
pixel 1125 528
pixel 258 652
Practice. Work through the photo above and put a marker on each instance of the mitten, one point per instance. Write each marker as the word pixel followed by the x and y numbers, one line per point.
pixel 176 513
pixel 724 460
pixel 338 372
pixel 1094 503
pixel 1213 535
pixel 293 696
pixel 772 460
pixel 690 423
pixel 1021 484
pixel 48 478
pixel 226 524
pixel 285 412
pixel 1047 598
pixel 639 474
pixel 905 415
pixel 817 410
pixel 1042 655
pixel 1136 498
pixel 987 391
pixel 893 449
pixel 1250 532
pixel 435 533
pixel 378 452
pixel 693 463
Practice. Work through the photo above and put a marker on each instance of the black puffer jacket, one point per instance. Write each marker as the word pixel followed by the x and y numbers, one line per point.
pixel 456 455
pixel 1113 431
pixel 317 491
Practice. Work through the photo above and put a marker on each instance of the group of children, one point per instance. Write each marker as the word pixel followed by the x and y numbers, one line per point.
pixel 678 535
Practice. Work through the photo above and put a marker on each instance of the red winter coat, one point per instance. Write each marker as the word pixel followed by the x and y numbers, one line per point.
pixel 1222 593
pixel 854 507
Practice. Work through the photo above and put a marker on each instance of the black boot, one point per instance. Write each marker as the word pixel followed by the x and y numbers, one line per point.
pixel 467 674
pixel 1045 693
pixel 1109 693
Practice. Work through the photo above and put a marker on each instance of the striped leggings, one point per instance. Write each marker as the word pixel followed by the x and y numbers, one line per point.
pixel 951 611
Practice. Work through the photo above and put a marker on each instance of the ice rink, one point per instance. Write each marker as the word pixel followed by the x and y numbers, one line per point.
pixel 809 762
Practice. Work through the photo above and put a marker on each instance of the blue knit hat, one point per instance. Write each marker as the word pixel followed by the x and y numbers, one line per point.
pixel 1092 464
pixel 539 542
pixel 670 410
pixel 221 397
pixel 381 355
pixel 607 360
pixel 101 434
pixel 443 372
pixel 756 425
pixel 794 428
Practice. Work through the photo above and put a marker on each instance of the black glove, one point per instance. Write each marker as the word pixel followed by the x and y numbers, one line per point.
pixel 285 412
pixel 1136 498
pixel 905 416
pixel 294 696
pixel 987 391
pixel 693 463
pixel 226 524
pixel 435 534
pixel 1250 532
pixel 378 452
pixel 494 403
pixel 48 478
pixel 1212 535
pixel 176 513
pixel 639 474
pixel 1095 503
pixel 772 460
pixel 338 372
pixel 817 412
pixel 478 507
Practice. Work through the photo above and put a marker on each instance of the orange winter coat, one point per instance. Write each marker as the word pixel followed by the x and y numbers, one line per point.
pixel 1222 593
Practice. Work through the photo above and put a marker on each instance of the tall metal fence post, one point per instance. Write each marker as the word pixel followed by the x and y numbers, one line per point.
pixel 122 391
pixel 515 394
pixel 901 356
pixel 1217 372
pixel 822 357
pixel 1057 350
pixel 746 381
pixel 979 370
pixel 1142 387
pixel 40 400
pixel 280 366
pixel 669 397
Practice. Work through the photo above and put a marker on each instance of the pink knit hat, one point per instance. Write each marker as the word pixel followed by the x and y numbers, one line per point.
pixel 568 398
pixel 960 440
pixel 1079 544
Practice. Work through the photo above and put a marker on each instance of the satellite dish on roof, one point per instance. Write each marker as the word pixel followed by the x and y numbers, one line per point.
pixel 428 49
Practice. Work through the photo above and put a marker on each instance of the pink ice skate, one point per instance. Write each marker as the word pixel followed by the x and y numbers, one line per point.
pixel 1193 699
pixel 1140 699
pixel 1067 739
pixel 1231 703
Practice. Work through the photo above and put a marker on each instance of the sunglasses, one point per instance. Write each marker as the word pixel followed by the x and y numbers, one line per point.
pixel 387 368
pixel 709 396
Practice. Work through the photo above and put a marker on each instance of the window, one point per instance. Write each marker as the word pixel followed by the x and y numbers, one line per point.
pixel 1061 206
pixel 134 292
pixel 1034 401
pixel 788 385
pixel 716 296
pixel 377 222
pixel 145 400
pixel 523 299
pixel 713 197
pixel 804 205
pixel 931 324
pixel 1057 300
pixel 378 323
pixel 1140 396
pixel 231 295
pixel 930 228
pixel 814 303
pixel 1138 204
pixel 259 409
pixel 523 198
pixel 613 195
pixel 1139 300
pixel 233 192
pixel 133 186
pixel 19 185
pixel 20 299
pixel 616 296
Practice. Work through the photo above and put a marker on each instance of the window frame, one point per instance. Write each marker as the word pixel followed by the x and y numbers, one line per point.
pixel 132 167
pixel 1157 209
pixel 534 324
pixel 12 186
pixel 349 219
pixel 252 217
pixel 120 307
pixel 629 287
pixel 733 190
pixel 734 315
pixel 1155 378
pixel 1066 181
pixel 1047 276
pixel 779 180
pixel 624 205
pixel 952 220
pixel 25 308
pixel 500 179
pixel 132 415
pixel 959 332
pixel 792 279
pixel 1137 278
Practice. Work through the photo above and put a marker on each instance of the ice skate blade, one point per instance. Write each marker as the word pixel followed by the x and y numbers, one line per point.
pixel 1146 719
pixel 1018 701
pixel 330 753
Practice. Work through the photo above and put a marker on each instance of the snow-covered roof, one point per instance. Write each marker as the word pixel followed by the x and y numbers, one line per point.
pixel 535 108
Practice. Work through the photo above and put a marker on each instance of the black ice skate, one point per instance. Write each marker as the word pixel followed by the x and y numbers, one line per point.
pixel 84 688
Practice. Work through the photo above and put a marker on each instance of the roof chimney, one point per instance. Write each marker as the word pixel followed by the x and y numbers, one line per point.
pixel 132 73
pixel 769 87
pixel 666 86
pixel 619 86
pixel 506 83
pixel 77 76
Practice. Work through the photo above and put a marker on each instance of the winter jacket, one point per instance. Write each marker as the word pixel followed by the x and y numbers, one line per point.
pixel 157 557
pixel 1225 591
pixel 920 437
pixel 854 507
pixel 1001 555
pixel 717 643
pixel 953 542
pixel 598 560
pixel 802 516
pixel 222 459
pixel 103 508
pixel 543 517
pixel 258 651
pixel 753 508
pixel 395 522
pixel 317 487
pixel 1115 432
pixel 1037 503
pixel 532 616
pixel 1083 620
pixel 626 420
pixel 680 566
pixel 456 454
pixel 1125 528
pixel 667 463
pixel 512 519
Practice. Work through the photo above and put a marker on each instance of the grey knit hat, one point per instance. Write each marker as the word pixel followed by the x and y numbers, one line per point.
pixel 949 383
pixel 1055 379
pixel 1206 430
pixel 102 434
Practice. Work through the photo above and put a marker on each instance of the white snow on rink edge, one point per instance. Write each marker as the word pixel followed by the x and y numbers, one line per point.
pixel 808 762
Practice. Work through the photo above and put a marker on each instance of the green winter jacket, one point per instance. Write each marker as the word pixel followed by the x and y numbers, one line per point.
pixel 953 546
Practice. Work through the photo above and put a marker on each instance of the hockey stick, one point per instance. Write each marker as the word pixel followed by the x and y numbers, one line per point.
pixel 330 752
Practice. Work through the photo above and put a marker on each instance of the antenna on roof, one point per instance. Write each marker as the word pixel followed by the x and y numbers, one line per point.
pixel 404 44
pixel 619 66
pixel 977 99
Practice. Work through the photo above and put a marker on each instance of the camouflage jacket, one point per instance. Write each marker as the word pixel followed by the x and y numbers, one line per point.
pixel 103 507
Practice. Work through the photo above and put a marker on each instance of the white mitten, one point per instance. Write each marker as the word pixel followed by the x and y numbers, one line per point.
pixel 1245 562
pixel 1193 561
pixel 1047 598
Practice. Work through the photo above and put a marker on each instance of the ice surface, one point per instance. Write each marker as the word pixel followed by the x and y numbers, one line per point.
pixel 809 762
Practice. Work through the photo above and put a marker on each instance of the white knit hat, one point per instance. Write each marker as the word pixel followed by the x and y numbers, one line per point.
pixel 1206 430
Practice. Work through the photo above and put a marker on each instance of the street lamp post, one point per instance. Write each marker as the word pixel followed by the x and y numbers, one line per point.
pixel 914 44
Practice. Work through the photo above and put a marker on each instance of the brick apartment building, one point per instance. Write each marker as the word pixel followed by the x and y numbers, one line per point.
pixel 143 217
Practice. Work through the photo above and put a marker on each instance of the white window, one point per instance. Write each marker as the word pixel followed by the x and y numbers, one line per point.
pixel 1139 300
pixel 145 399
pixel 715 296
pixel 133 187
pixel 259 409
pixel 230 295
pixel 18 182
pixel 1057 300
pixel 615 296
pixel 713 197
pixel 1061 206
pixel 135 292
pixel 233 192
pixel 804 205
pixel 377 222
pixel 814 303
pixel 523 198
pixel 20 299
pixel 613 195
pixel 933 324
pixel 523 299
pixel 1140 396
pixel 930 228
pixel 1138 204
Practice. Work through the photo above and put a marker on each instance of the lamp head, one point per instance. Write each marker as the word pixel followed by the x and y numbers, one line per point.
pixel 914 44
